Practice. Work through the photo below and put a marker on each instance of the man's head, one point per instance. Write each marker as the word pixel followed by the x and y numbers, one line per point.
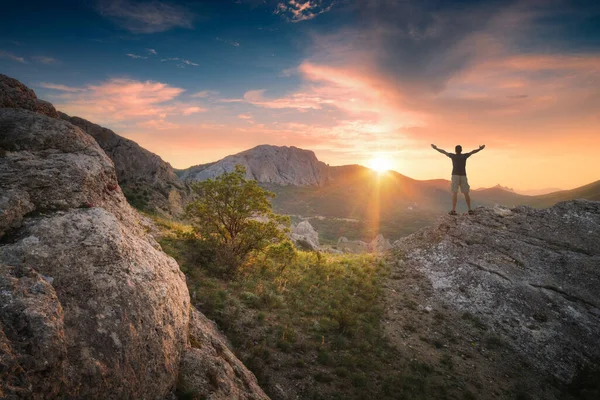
pixel 458 149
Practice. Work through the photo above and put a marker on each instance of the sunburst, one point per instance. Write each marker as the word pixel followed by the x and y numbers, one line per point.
pixel 380 164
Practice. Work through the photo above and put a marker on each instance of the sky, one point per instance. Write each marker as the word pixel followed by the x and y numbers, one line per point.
pixel 352 80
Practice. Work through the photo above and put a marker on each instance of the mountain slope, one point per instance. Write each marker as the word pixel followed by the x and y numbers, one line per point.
pixel 148 182
pixel 509 298
pixel 280 165
pixel 588 192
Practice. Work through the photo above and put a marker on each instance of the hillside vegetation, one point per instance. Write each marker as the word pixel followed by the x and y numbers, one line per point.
pixel 316 326
pixel 310 326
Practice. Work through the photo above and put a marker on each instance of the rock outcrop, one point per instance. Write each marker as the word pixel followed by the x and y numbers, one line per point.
pixel 147 180
pixel 279 165
pixel 209 370
pixel 13 94
pixel 304 236
pixel 91 307
pixel 530 277
pixel 380 244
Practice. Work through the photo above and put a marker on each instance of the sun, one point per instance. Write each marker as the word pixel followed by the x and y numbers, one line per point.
pixel 380 164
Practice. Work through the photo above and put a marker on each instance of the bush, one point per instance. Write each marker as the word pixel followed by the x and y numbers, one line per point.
pixel 234 216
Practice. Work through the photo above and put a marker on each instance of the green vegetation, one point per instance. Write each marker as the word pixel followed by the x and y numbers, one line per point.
pixel 308 323
pixel 295 316
pixel 137 197
pixel 233 217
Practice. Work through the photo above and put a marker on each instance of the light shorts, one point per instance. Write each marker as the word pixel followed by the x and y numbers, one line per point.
pixel 459 181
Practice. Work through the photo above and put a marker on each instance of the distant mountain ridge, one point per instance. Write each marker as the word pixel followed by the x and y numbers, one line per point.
pixel 294 167
pixel 281 165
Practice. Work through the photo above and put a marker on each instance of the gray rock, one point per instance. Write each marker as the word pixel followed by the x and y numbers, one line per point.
pixel 140 172
pixel 50 165
pixel 114 320
pixel 305 236
pixel 90 305
pixel 210 370
pixel 268 164
pixel 529 275
pixel 379 244
pixel 13 94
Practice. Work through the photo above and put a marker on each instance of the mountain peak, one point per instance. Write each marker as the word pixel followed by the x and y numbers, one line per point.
pixel 281 165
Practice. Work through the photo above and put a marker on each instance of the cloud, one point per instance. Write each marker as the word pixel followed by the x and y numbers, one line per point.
pixel 192 110
pixel 44 60
pixel 135 56
pixel 181 62
pixel 231 42
pixel 231 100
pixel 124 102
pixel 146 17
pixel 299 10
pixel 152 52
pixel 298 101
pixel 204 93
pixel 12 57
pixel 62 88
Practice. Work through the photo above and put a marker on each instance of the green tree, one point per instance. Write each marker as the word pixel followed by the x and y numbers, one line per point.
pixel 233 215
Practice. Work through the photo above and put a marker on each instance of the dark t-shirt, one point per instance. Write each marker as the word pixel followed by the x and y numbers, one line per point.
pixel 459 163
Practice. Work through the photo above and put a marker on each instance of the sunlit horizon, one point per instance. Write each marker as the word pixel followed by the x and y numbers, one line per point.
pixel 351 81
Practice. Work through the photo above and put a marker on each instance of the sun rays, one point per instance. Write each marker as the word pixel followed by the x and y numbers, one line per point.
pixel 380 163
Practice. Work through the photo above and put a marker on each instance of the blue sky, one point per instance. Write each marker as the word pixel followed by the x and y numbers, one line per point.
pixel 352 80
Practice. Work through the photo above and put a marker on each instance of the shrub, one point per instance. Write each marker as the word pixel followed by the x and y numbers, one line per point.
pixel 234 215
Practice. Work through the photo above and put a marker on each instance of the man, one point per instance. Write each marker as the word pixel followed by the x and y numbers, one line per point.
pixel 459 174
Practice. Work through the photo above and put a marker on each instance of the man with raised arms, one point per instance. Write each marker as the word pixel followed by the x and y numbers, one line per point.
pixel 459 174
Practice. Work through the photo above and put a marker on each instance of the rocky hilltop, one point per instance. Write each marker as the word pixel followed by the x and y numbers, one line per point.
pixel 13 94
pixel 279 165
pixel 512 292
pixel 91 306
pixel 148 181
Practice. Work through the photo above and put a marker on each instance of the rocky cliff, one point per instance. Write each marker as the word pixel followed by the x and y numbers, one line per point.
pixel 512 292
pixel 90 305
pixel 147 180
pixel 268 164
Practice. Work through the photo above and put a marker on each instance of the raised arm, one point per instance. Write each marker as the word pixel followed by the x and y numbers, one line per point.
pixel 440 150
pixel 481 147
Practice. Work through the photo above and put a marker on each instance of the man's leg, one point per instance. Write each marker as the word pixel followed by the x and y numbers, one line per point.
pixel 454 184
pixel 468 199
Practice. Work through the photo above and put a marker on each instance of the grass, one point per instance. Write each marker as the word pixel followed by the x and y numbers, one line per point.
pixel 314 319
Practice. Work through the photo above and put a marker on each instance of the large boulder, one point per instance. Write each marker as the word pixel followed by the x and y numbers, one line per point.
pixel 305 236
pixel 90 305
pixel 94 308
pixel 147 180
pixel 529 277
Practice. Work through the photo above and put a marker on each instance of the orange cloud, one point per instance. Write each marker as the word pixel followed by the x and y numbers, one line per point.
pixel 300 101
pixel 124 101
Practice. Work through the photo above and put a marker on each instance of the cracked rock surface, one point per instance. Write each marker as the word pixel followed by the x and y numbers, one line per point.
pixel 531 276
